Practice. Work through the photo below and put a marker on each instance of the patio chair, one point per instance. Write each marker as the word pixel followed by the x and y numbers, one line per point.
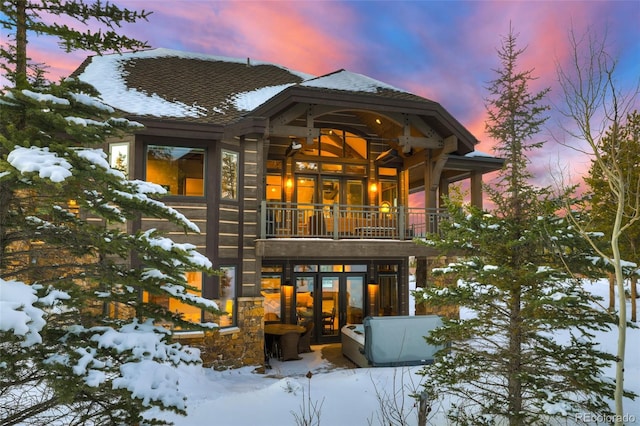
pixel 289 346
pixel 304 344
pixel 328 321
pixel 317 226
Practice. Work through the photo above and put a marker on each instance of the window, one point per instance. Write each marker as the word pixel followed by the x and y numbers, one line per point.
pixel 180 170
pixel 119 157
pixel 389 192
pixel 189 313
pixel 388 283
pixel 271 285
pixel 229 175
pixel 274 188
pixel 337 143
pixel 228 296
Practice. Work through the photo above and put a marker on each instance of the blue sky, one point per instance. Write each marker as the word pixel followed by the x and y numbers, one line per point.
pixel 442 50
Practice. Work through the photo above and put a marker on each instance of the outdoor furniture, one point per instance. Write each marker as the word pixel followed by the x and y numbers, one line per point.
pixel 375 231
pixel 317 225
pixel 288 344
pixel 304 344
pixel 328 320
pixel 276 345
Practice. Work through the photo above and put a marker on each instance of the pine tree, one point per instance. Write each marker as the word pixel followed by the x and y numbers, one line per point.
pixel 65 252
pixel 526 355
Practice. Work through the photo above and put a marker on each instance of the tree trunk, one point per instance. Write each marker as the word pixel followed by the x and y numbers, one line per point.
pixel 634 297
pixel 424 407
pixel 5 199
pixel 622 315
pixel 515 361
pixel 21 44
pixel 612 293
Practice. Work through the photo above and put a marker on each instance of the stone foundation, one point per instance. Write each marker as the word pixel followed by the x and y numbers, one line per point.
pixel 233 347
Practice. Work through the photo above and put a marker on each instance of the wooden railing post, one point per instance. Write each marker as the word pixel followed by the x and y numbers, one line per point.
pixel 401 222
pixel 336 221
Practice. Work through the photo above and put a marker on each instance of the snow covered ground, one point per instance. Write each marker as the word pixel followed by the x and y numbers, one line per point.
pixel 348 396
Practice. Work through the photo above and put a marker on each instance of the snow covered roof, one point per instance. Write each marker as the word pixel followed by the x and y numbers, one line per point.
pixel 213 89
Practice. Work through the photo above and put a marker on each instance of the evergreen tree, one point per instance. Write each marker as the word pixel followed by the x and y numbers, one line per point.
pixel 526 356
pixel 77 346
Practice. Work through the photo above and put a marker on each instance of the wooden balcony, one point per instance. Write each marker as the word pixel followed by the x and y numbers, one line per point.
pixel 338 221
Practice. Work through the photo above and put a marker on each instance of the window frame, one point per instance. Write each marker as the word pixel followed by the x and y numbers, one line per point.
pixel 236 178
pixel 175 143
pixel 233 297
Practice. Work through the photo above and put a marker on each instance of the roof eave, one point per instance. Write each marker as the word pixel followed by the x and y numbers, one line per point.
pixel 370 102
pixel 170 127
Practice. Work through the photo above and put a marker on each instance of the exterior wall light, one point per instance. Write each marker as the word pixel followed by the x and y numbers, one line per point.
pixel 287 302
pixel 373 290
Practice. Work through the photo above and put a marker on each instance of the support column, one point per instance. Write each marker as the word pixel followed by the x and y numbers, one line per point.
pixel 430 182
pixel 443 191
pixel 476 189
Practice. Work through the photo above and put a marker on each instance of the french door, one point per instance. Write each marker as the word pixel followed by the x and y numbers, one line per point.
pixel 331 300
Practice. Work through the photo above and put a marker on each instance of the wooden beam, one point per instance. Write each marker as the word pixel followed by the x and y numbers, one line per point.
pixel 289 115
pixel 419 142
pixel 438 166
pixel 450 144
pixel 297 131
pixel 310 128
pixel 422 127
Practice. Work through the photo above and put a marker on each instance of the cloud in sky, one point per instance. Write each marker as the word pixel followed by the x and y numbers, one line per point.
pixel 444 51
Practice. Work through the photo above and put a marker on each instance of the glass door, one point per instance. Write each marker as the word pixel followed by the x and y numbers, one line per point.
pixel 339 301
pixel 328 309
pixel 354 312
pixel 304 298
pixel 306 219
pixel 349 194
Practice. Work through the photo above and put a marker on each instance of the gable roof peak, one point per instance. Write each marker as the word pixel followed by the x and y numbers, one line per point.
pixel 343 79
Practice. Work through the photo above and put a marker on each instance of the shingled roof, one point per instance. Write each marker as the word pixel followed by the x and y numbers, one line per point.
pixel 209 89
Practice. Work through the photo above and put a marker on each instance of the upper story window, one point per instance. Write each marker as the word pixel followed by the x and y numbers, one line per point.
pixel 338 144
pixel 180 170
pixel 229 175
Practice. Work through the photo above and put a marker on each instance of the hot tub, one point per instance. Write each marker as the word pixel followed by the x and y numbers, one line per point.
pixel 353 344
pixel 390 341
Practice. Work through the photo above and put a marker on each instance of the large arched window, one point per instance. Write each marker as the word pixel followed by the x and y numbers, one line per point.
pixel 337 144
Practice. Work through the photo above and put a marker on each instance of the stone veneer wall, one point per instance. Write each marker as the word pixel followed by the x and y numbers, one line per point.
pixel 233 347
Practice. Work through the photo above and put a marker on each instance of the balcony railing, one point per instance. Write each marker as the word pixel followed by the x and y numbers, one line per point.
pixel 339 221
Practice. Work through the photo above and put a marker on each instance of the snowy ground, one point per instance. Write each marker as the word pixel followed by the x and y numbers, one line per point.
pixel 348 396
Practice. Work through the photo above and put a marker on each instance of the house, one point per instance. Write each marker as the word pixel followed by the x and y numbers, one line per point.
pixel 300 185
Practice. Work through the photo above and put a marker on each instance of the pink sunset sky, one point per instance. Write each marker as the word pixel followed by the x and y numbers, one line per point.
pixel 442 50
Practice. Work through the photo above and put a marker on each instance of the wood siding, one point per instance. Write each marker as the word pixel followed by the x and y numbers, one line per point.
pixel 252 189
